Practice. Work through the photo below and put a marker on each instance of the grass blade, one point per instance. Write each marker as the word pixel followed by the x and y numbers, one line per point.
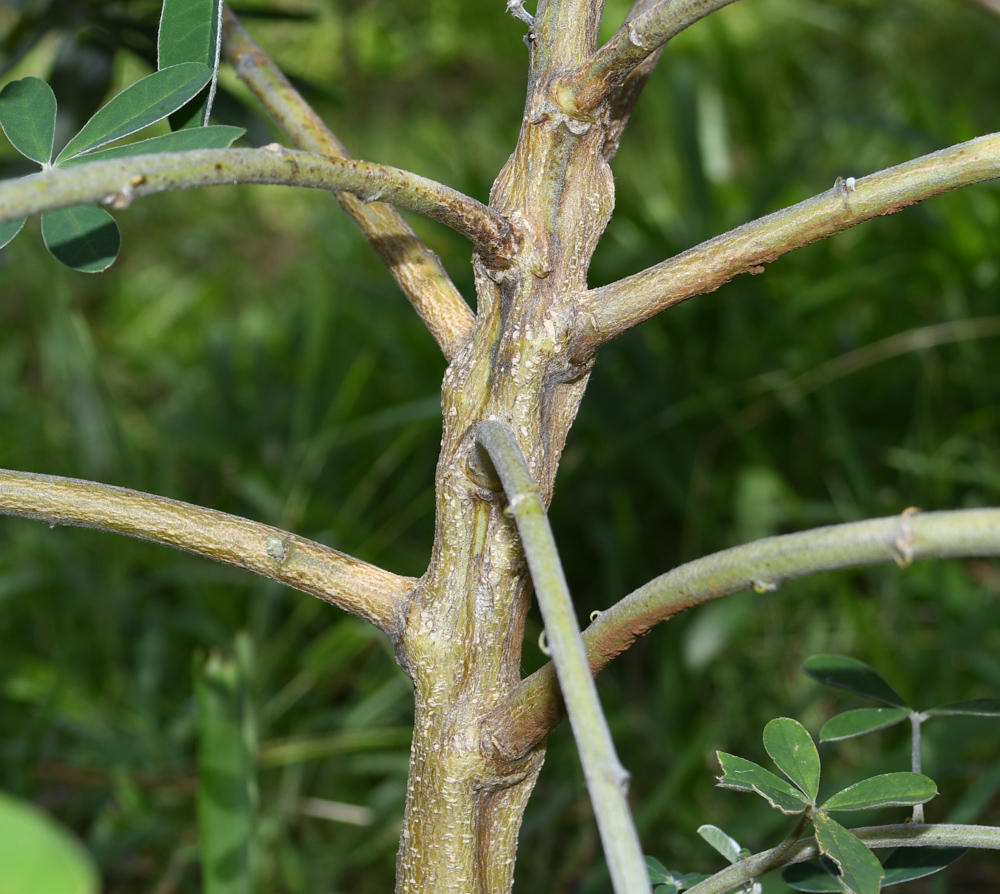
pixel 226 778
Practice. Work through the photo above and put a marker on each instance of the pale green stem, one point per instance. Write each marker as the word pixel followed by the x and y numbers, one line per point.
pixel 416 269
pixel 119 181
pixel 606 779
pixel 908 835
pixel 916 760
pixel 357 587
pixel 535 707
pixel 612 309
pixel 582 90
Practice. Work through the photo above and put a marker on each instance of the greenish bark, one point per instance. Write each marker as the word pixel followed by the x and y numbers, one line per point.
pixel 524 361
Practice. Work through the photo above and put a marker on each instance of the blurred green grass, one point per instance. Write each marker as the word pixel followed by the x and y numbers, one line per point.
pixel 247 352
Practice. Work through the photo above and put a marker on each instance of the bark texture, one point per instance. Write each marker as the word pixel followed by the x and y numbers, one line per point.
pixel 465 625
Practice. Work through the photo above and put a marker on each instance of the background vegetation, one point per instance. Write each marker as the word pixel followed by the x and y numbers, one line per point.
pixel 249 353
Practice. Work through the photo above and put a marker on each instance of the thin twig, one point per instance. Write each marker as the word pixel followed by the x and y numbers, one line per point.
pixel 612 309
pixel 357 587
pixel 119 181
pixel 535 706
pixel 585 89
pixel 607 780
pixel 910 835
pixel 624 98
pixel 415 267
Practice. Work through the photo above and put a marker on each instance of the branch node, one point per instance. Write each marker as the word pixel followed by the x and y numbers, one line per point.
pixel 903 543
pixel 278 548
pixel 122 198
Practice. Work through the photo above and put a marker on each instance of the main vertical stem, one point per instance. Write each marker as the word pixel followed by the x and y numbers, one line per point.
pixel 465 626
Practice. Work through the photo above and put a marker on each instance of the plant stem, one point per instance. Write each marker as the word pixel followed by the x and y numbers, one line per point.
pixel 584 89
pixel 906 835
pixel 535 707
pixel 607 780
pixel 357 587
pixel 416 269
pixel 119 181
pixel 916 719
pixel 614 308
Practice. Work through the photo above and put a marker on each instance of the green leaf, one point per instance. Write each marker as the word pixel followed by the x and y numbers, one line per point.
pixel 84 237
pixel 38 855
pixel 9 230
pixel 728 847
pixel 908 863
pixel 658 873
pixel 973 707
pixel 793 751
pixel 887 790
pixel 144 103
pixel 903 865
pixel 860 870
pixel 225 778
pixel 859 722
pixel 746 776
pixel 855 676
pixel 675 881
pixel 215 137
pixel 788 803
pixel 28 117
pixel 191 31
pixel 812 877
